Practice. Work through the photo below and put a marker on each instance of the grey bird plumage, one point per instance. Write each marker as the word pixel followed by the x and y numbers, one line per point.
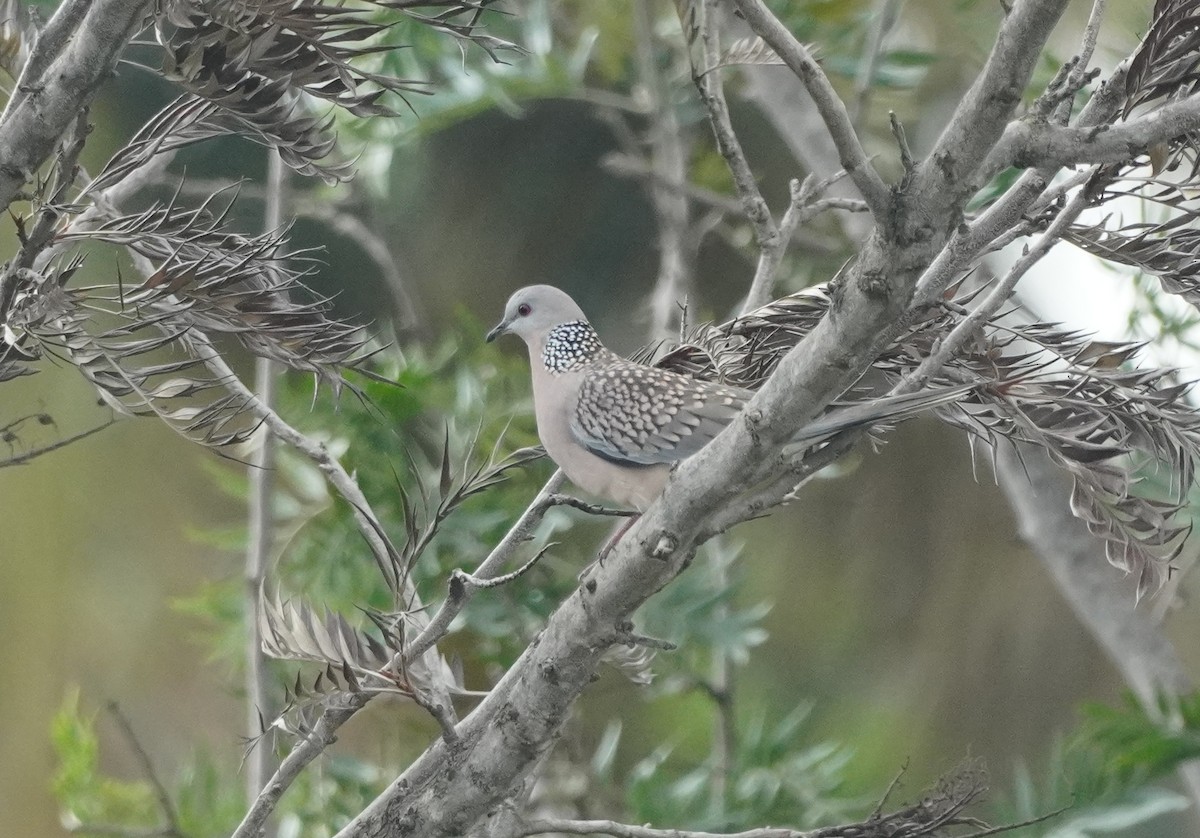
pixel 614 426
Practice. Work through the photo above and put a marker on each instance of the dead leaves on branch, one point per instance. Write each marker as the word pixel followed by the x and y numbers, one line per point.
pixel 250 66
pixel 380 657
pixel 1167 64
pixel 209 277
pixel 134 343
pixel 1105 422
pixel 251 69
pixel 1168 249
pixel 352 660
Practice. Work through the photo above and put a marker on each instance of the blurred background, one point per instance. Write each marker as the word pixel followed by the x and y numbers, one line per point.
pixel 895 604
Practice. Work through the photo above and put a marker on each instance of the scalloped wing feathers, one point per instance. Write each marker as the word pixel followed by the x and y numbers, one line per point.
pixel 632 414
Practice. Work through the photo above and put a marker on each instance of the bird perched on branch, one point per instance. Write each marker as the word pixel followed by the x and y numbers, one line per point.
pixel 616 427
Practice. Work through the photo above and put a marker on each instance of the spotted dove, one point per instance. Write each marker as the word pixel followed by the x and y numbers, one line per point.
pixel 614 426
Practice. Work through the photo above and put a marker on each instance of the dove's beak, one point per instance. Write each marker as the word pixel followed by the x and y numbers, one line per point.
pixel 496 332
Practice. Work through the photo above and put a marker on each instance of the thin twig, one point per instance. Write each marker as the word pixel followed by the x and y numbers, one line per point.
pixel 997 297
pixel 408 317
pixel 345 485
pixel 883 799
pixel 722 691
pixel 770 252
pixel 368 524
pixel 468 581
pixel 566 826
pixel 906 157
pixel 444 717
pixel 520 532
pixel 117 831
pixel 852 156
pixel 160 791
pixel 625 165
pixel 260 523
pixel 306 749
pixel 668 160
pixel 883 18
pixel 21 459
pixel 590 508
pixel 1091 34
pixel 712 92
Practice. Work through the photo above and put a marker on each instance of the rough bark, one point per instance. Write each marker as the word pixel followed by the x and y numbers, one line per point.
pixel 48 101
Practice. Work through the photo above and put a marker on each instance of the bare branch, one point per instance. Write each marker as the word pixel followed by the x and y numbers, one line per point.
pixel 589 508
pixel 883 18
pixel 997 297
pixel 946 176
pixel 31 124
pixel 261 522
pixel 312 745
pixel 24 457
pixel 1079 72
pixel 565 826
pixel 160 791
pixel 771 250
pixel 1027 143
pixel 668 160
pixel 850 151
pixel 712 92
pixel 626 166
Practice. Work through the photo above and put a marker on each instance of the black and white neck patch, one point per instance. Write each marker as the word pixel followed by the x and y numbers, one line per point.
pixel 570 346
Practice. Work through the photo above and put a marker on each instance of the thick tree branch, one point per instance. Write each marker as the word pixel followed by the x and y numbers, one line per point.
pixel 947 176
pixel 565 826
pixel 33 122
pixel 1027 143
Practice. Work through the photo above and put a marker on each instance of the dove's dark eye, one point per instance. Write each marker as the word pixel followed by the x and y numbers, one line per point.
pixel 523 309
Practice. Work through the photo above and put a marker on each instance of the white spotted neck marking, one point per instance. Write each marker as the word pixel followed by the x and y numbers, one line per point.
pixel 570 346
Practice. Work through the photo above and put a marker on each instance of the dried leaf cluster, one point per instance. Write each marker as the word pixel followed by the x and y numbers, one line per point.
pixel 248 69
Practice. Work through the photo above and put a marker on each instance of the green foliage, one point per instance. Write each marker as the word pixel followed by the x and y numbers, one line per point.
pixel 86 795
pixel 327 797
pixel 1158 317
pixel 774 776
pixel 208 797
pixel 394 440
pixel 205 801
pixel 1132 747
pixel 701 612
pixel 1102 776
pixel 554 59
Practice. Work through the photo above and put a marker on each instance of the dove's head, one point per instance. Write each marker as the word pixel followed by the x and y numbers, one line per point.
pixel 533 311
